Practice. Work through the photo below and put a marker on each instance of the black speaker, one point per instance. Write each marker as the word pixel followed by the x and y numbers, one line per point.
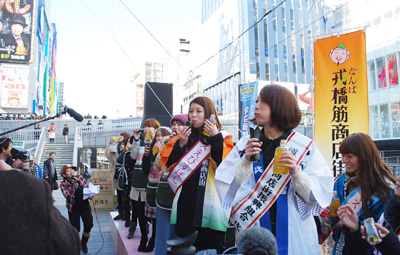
pixel 153 108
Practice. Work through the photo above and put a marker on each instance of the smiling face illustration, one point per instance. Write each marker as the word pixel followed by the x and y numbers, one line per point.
pixel 340 54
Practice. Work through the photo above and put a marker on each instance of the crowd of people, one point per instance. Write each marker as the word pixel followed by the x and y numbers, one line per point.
pixel 190 179
pixel 34 116
pixel 95 117
pixel 21 117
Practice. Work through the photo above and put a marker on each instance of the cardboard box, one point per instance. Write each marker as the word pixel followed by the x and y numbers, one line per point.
pixel 102 202
pixel 101 181
pixel 101 173
pixel 106 189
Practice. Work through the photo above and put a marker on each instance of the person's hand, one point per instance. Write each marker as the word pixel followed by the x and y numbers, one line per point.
pixel 158 145
pixel 74 182
pixel 383 232
pixel 210 128
pixel 184 136
pixel 253 147
pixel 349 217
pixel 46 177
pixel 152 132
pixel 289 160
pixel 136 135
pixel 173 134
pixel 146 150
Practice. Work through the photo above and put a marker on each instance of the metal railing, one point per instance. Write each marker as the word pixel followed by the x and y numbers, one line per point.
pixel 40 145
pixel 106 129
pixel 28 136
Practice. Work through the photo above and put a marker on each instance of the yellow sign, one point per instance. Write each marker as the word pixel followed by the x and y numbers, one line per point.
pixel 341 93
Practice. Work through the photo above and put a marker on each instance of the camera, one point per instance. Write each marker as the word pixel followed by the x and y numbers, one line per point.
pixel 24 156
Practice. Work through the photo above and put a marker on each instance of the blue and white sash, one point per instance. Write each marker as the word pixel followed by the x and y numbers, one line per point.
pixel 354 200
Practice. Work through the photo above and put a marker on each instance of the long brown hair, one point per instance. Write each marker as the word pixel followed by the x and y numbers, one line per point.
pixel 209 109
pixel 126 136
pixel 373 173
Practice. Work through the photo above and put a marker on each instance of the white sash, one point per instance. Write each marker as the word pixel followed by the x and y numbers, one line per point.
pixel 268 188
pixel 189 163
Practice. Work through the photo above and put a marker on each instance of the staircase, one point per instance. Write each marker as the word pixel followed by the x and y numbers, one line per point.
pixel 64 155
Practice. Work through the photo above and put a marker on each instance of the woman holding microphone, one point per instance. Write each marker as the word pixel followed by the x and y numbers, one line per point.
pixel 282 203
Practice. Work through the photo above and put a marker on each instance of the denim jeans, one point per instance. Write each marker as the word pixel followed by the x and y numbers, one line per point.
pixel 165 231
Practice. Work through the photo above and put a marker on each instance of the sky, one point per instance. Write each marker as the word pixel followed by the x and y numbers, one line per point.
pixel 101 45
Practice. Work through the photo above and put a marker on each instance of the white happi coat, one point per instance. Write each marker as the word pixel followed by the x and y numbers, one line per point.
pixel 303 236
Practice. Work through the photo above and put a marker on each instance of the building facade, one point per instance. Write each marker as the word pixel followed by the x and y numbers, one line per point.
pixel 267 40
pixel 154 72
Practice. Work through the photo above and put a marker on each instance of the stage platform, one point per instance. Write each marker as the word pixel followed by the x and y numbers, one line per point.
pixel 119 233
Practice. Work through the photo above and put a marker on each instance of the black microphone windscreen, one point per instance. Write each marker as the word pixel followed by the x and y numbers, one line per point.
pixel 257 240
pixel 75 115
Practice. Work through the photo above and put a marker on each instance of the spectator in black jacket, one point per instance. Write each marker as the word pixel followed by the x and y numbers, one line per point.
pixel 65 133
pixel 50 172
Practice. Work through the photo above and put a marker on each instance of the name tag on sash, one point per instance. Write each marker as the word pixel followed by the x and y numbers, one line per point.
pixel 188 164
pixel 268 188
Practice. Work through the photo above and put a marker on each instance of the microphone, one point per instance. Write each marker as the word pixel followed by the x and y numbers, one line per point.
pixel 257 240
pixel 74 114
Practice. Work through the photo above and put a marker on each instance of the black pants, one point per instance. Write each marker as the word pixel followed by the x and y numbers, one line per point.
pixel 83 211
pixel 127 201
pixel 154 228
pixel 138 213
pixel 52 184
pixel 120 200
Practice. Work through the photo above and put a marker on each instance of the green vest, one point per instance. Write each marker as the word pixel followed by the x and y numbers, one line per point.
pixel 151 194
pixel 165 195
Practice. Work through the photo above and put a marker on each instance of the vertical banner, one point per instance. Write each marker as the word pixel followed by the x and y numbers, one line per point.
pixel 17 30
pixel 341 93
pixel 248 94
pixel 14 86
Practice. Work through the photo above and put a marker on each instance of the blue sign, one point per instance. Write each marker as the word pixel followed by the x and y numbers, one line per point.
pixel 248 95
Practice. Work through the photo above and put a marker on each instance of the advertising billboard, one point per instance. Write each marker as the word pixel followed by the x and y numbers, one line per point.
pixel 17 30
pixel 14 86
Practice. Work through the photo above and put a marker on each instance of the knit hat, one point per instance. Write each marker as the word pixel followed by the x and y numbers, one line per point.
pixel 179 117
pixel 166 128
